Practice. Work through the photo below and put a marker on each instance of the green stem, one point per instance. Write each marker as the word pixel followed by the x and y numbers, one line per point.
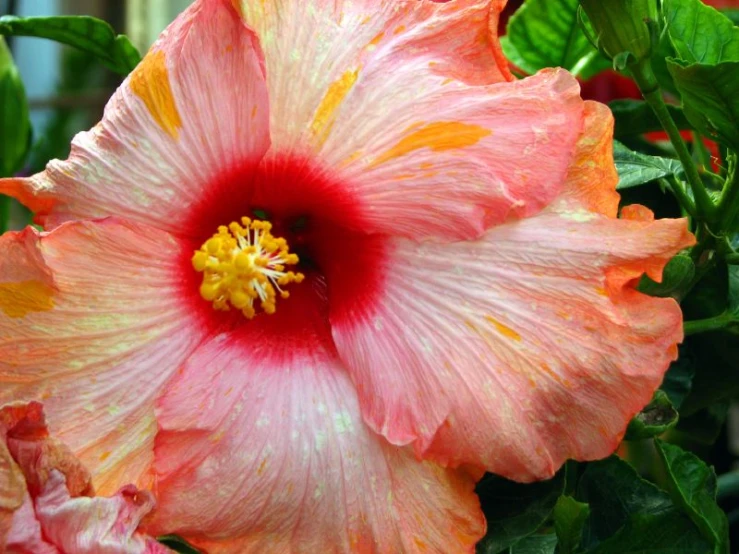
pixel 728 205
pixel 732 259
pixel 647 83
pixel 705 241
pixel 681 194
pixel 715 323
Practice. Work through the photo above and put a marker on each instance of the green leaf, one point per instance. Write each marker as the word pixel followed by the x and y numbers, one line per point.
pixel 636 169
pixel 699 33
pixel 535 544
pixel 678 380
pixel 86 33
pixel 569 520
pixel 635 117
pixel 514 510
pixel 676 278
pixel 546 33
pixel 178 544
pixel 710 295
pixel 692 485
pixel 655 418
pixel 666 533
pixel 662 52
pixel 710 95
pixel 15 125
pixel 631 515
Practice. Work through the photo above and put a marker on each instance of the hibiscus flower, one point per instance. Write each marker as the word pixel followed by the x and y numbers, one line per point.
pixel 458 292
pixel 46 497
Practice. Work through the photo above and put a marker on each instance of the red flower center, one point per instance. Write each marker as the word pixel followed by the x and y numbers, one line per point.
pixel 323 223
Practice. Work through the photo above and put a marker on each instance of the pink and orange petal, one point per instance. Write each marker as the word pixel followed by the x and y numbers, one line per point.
pixel 93 309
pixel 280 461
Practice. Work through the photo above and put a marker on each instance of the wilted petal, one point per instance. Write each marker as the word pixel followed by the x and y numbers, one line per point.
pixel 98 341
pixel 197 103
pixel 520 350
pixel 262 450
pixel 57 517
pixel 21 531
pixel 97 525
pixel 406 101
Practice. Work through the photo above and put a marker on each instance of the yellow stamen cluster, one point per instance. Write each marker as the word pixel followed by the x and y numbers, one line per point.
pixel 243 263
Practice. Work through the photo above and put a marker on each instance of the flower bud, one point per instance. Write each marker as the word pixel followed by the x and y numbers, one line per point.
pixel 621 27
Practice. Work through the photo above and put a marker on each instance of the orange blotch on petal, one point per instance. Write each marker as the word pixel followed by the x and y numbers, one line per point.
pixel 438 136
pixel 19 299
pixel 150 82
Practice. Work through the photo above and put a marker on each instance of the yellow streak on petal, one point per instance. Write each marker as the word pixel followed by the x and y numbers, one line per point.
pixel 503 329
pixel 150 82
pixel 438 136
pixel 375 41
pixel 22 298
pixel 325 114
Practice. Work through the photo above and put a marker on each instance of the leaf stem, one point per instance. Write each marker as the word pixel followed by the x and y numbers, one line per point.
pixel 681 194
pixel 647 83
pixel 715 323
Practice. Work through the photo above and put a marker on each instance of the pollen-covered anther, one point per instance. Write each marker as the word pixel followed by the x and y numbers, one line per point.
pixel 243 264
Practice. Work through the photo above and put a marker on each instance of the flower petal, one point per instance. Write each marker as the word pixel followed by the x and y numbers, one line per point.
pixel 262 450
pixel 317 51
pixel 385 96
pixel 97 341
pixel 459 160
pixel 85 525
pixel 520 350
pixel 22 532
pixel 592 177
pixel 196 104
pixel 55 517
